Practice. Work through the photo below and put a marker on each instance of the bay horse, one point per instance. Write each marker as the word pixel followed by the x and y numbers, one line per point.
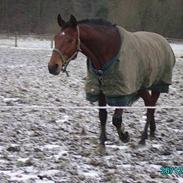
pixel 101 41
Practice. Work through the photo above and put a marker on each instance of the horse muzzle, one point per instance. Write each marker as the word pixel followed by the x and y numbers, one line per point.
pixel 54 69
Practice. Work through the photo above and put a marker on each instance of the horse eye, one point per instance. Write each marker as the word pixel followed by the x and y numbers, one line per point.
pixel 69 40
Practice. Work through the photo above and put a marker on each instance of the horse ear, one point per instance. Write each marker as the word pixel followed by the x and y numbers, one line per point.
pixel 73 21
pixel 60 21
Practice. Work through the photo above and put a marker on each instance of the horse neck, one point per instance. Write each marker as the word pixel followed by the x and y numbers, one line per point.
pixel 99 43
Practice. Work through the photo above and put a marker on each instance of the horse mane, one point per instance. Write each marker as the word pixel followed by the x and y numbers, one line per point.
pixel 98 22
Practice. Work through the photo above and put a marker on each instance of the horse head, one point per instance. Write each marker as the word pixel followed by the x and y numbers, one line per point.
pixel 67 45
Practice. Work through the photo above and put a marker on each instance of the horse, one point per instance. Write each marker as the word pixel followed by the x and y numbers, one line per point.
pixel 122 67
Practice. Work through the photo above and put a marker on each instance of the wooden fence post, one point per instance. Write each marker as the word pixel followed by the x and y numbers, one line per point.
pixel 52 41
pixel 16 39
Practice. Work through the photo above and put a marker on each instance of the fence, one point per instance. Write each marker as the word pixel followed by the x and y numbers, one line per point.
pixel 19 40
pixel 88 107
pixel 30 41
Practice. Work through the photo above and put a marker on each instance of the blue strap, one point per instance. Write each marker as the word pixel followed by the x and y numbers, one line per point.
pixel 104 68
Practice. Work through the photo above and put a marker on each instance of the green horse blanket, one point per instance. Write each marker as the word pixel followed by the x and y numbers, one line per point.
pixel 145 62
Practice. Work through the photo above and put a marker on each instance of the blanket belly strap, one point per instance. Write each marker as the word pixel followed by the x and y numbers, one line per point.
pixel 126 100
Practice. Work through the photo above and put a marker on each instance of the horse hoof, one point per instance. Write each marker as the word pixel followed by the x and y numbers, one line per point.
pixel 146 136
pixel 103 140
pixel 101 150
pixel 153 137
pixel 152 134
pixel 142 142
pixel 125 137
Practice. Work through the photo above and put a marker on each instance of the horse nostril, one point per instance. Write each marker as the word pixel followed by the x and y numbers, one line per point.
pixel 56 66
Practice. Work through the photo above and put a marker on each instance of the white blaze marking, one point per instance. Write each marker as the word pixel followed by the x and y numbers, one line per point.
pixel 63 33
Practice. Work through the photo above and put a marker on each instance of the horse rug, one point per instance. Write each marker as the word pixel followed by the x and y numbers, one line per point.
pixel 144 62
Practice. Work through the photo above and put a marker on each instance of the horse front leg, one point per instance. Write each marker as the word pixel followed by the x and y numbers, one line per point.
pixel 103 119
pixel 117 122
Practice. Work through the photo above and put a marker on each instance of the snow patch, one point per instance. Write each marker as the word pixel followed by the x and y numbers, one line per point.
pixel 26 43
pixel 19 175
pixel 180 152
pixel 127 167
pixel 180 179
pixel 117 147
pixel 178 49
pixel 91 173
pixel 49 172
pixel 45 181
pixel 11 99
pixel 64 119
pixel 157 167
pixel 156 146
pixel 23 160
pixel 51 146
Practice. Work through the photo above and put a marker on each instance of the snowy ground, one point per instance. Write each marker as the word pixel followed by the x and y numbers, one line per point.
pixel 47 145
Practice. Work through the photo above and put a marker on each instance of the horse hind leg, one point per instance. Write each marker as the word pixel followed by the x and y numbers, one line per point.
pixel 145 95
pixel 149 100
pixel 117 122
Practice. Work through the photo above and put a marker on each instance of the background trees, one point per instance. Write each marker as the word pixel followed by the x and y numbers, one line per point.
pixel 162 16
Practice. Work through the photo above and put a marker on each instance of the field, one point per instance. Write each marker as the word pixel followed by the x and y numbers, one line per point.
pixel 43 141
